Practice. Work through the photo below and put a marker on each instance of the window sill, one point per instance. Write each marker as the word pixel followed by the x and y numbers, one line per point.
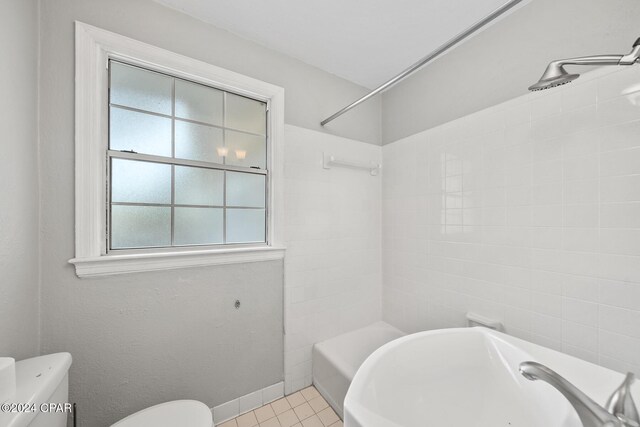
pixel 107 265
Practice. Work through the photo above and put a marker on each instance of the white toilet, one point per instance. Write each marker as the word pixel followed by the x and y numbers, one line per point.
pixel 187 413
pixel 45 379
pixel 39 380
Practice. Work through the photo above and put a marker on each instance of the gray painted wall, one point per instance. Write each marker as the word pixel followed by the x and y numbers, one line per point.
pixel 503 60
pixel 19 175
pixel 139 340
pixel 142 339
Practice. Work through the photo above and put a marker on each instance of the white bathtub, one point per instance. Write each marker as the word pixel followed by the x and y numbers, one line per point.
pixel 336 360
pixel 469 377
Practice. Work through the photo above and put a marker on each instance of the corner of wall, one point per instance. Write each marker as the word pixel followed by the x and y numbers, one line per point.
pixel 39 162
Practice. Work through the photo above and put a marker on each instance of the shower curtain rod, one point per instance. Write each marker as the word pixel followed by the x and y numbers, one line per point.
pixel 452 42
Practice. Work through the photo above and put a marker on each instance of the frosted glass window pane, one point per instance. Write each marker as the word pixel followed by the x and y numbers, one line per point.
pixel 246 150
pixel 198 102
pixel 246 114
pixel 198 186
pixel 140 182
pixel 140 132
pixel 198 226
pixel 245 225
pixel 198 142
pixel 140 226
pixel 245 189
pixel 142 89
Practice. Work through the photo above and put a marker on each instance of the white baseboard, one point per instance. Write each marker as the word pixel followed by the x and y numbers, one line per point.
pixel 246 403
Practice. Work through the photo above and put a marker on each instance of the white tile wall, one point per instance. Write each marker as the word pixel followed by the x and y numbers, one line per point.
pixel 528 212
pixel 333 236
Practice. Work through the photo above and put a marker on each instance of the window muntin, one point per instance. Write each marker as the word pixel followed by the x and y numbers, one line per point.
pixel 187 163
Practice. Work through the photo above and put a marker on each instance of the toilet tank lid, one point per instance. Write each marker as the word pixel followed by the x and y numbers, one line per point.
pixel 37 379
pixel 170 414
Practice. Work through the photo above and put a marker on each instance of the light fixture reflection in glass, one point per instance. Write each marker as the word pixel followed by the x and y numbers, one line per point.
pixel 241 154
pixel 222 151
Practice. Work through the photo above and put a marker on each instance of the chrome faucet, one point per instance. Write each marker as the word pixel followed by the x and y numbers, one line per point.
pixel 620 410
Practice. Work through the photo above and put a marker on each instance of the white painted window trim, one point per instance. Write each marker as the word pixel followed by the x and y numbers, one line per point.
pixel 94 48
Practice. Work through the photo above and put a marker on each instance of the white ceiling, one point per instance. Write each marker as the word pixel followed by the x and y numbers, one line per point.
pixel 364 41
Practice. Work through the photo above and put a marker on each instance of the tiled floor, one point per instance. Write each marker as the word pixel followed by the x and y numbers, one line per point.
pixel 305 408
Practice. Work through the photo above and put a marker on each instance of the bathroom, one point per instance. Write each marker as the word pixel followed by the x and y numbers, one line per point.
pixel 452 197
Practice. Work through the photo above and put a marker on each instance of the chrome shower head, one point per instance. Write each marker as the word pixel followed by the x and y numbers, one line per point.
pixel 555 74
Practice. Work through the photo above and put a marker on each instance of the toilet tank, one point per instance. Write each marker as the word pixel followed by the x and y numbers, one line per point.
pixel 40 382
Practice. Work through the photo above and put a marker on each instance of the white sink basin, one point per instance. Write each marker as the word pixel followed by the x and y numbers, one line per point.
pixel 468 378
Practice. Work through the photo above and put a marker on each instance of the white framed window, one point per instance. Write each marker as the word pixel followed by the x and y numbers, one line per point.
pixel 186 163
pixel 177 161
